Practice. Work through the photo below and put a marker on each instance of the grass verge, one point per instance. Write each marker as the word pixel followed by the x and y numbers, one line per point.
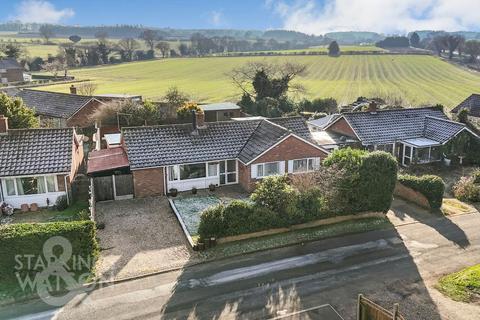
pixel 294 237
pixel 463 285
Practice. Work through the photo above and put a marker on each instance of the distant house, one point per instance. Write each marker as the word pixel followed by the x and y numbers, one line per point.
pixel 472 104
pixel 37 165
pixel 107 97
pixel 320 123
pixel 220 111
pixel 198 154
pixel 10 71
pixel 412 135
pixel 60 110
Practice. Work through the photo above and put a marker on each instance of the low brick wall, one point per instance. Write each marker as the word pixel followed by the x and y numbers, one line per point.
pixel 307 225
pixel 411 195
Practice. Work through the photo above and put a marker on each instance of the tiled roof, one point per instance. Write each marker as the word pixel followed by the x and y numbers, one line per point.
pixel 472 104
pixel 53 104
pixel 265 136
pixel 175 144
pixel 324 121
pixel 9 64
pixel 295 124
pixel 441 130
pixel 35 151
pixel 388 126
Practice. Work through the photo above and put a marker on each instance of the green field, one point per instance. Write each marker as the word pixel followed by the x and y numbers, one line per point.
pixel 320 49
pixel 416 79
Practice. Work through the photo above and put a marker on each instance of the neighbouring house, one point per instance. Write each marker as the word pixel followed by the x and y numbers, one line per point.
pixel 59 110
pixel 107 97
pixel 472 104
pixel 414 135
pixel 37 165
pixel 10 71
pixel 221 111
pixel 200 154
pixel 320 123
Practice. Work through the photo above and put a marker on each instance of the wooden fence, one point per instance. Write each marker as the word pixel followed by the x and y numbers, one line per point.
pixel 369 310
pixel 115 187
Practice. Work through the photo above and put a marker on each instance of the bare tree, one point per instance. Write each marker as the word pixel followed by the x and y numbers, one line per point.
pixel 150 37
pixel 54 67
pixel 452 42
pixel 164 48
pixel 87 88
pixel 472 48
pixel 101 36
pixel 127 47
pixel 46 31
pixel 280 75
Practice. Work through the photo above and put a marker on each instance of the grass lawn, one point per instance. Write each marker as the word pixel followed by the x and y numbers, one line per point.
pixel 317 49
pixel 47 215
pixel 297 236
pixel 463 285
pixel 416 79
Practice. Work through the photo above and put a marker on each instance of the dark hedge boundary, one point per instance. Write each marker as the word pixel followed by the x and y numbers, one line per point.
pixel 431 186
pixel 29 238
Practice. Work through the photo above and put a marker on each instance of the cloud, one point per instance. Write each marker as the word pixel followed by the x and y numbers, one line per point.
pixel 216 18
pixel 41 12
pixel 385 16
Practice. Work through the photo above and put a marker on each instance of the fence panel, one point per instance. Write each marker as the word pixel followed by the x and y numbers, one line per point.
pixel 369 310
pixel 123 185
pixel 103 188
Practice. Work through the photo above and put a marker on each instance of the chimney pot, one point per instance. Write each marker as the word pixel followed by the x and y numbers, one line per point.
pixel 3 124
pixel 372 107
pixel 73 89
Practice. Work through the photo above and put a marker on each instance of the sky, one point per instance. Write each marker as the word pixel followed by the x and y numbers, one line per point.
pixel 309 16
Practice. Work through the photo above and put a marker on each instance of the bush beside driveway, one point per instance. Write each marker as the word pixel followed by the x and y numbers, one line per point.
pixel 141 236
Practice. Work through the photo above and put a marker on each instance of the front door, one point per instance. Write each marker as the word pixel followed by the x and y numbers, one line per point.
pixel 228 172
pixel 407 155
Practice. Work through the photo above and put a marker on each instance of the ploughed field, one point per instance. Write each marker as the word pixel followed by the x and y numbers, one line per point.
pixel 415 79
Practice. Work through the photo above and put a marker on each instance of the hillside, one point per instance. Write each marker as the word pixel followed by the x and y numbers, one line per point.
pixel 415 79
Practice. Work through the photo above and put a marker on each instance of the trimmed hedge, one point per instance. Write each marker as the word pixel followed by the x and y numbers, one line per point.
pixel 431 186
pixel 28 239
pixel 370 178
pixel 367 186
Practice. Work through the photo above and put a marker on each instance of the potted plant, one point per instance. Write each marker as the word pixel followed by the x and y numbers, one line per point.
pixel 173 192
pixel 194 190
pixel 211 187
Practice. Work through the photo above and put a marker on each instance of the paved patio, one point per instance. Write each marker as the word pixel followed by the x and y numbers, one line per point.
pixel 140 236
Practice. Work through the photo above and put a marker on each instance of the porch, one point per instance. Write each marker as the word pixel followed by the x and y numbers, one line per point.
pixel 419 151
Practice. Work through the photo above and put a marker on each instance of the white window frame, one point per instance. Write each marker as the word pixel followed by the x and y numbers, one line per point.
pixel 14 179
pixel 316 164
pixel 254 169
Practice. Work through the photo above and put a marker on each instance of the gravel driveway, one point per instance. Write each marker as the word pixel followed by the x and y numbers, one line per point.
pixel 140 236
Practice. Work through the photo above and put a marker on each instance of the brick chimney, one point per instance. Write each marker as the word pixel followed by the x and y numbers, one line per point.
pixel 372 107
pixel 3 124
pixel 200 119
pixel 73 89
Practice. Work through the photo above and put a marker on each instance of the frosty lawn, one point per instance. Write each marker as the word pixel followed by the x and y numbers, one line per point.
pixel 190 209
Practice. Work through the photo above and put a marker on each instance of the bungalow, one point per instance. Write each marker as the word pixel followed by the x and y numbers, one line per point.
pixel 60 110
pixel 199 154
pixel 412 135
pixel 10 71
pixel 37 165
pixel 472 104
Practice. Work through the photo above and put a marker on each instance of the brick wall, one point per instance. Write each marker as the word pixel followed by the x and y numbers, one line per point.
pixel 77 157
pixel 83 116
pixel 342 127
pixel 411 195
pixel 148 182
pixel 13 75
pixel 290 149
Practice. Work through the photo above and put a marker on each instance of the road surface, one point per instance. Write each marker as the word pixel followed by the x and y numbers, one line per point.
pixel 399 265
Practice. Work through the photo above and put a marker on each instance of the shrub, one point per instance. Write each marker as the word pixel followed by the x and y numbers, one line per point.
pixel 378 175
pixel 431 186
pixel 273 193
pixel 211 222
pixel 61 203
pixel 467 190
pixel 347 158
pixel 306 206
pixel 29 238
pixel 476 176
pixel 184 113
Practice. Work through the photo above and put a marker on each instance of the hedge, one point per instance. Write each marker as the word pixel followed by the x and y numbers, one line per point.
pixel 431 186
pixel 367 186
pixel 28 239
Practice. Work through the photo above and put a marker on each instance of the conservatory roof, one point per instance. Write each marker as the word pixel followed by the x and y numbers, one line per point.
pixel 421 142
